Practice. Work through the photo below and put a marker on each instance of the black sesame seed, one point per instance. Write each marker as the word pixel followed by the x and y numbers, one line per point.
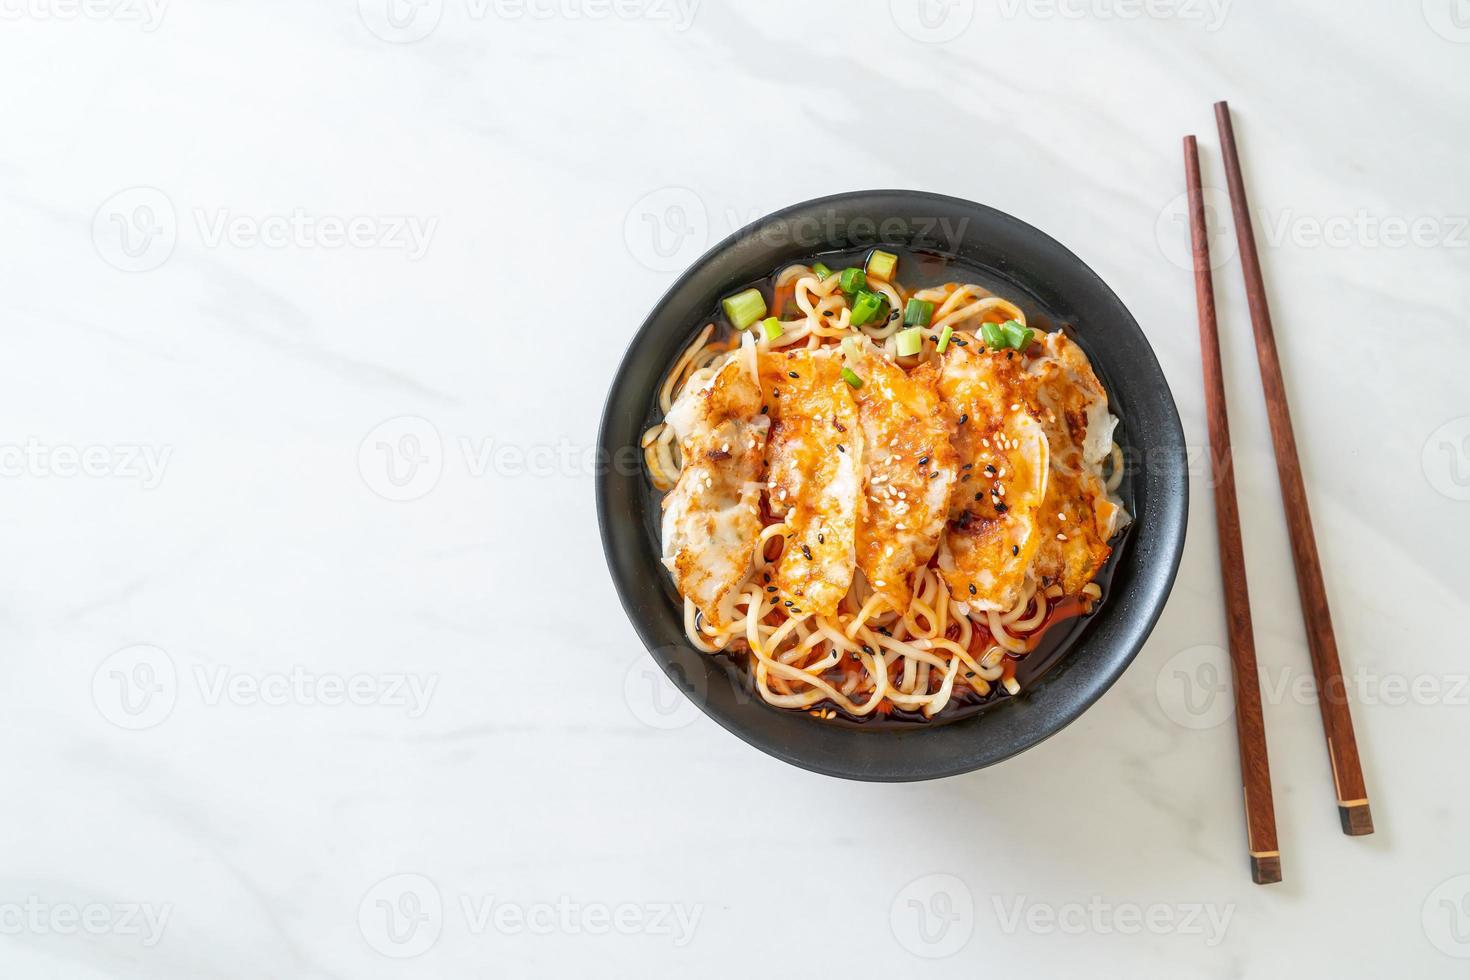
pixel 923 460
pixel 1015 549
pixel 792 374
pixel 972 590
pixel 765 409
pixel 826 313
pixel 821 539
pixel 979 495
pixel 770 588
pixel 1000 508
pixel 787 603
pixel 964 418
pixel 841 448
pixel 961 341
pixel 934 474
pixel 807 552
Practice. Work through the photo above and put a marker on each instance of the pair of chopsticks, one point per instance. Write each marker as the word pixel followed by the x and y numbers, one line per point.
pixel 1337 723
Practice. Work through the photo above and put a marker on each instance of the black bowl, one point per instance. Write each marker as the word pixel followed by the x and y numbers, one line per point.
pixel 1051 284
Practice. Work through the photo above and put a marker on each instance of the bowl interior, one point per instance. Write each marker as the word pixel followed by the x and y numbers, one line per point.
pixel 1050 283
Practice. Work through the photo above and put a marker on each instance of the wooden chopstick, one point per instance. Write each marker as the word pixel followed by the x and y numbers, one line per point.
pixel 1250 728
pixel 1337 722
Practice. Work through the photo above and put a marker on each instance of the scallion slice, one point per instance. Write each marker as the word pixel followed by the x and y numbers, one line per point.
pixel 1016 335
pixel 918 313
pixel 821 269
pixel 851 378
pixel 993 335
pixel 771 327
pixel 881 265
pixel 865 306
pixel 944 336
pixel 744 308
pixel 910 341
pixel 853 280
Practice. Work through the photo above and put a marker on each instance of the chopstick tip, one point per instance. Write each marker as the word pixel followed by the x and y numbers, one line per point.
pixel 1357 819
pixel 1266 870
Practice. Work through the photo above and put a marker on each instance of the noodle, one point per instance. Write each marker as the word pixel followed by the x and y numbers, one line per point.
pixel 869 659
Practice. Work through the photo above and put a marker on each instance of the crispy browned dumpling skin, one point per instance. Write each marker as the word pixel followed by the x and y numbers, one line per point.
pixel 911 467
pixel 712 516
pixel 815 478
pixel 1078 518
pixel 993 533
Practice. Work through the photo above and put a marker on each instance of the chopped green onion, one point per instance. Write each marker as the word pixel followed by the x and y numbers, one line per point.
pixel 853 280
pixel 944 336
pixel 771 327
pixel 851 378
pixel 865 307
pixel 918 313
pixel 821 270
pixel 993 335
pixel 744 308
pixel 882 264
pixel 910 341
pixel 1016 335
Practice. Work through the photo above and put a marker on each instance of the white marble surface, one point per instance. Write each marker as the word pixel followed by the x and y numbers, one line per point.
pixel 242 689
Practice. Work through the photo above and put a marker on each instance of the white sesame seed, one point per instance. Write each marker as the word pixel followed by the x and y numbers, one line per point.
pixel 1061 536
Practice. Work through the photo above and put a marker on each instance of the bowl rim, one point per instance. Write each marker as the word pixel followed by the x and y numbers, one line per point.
pixel 1172 521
